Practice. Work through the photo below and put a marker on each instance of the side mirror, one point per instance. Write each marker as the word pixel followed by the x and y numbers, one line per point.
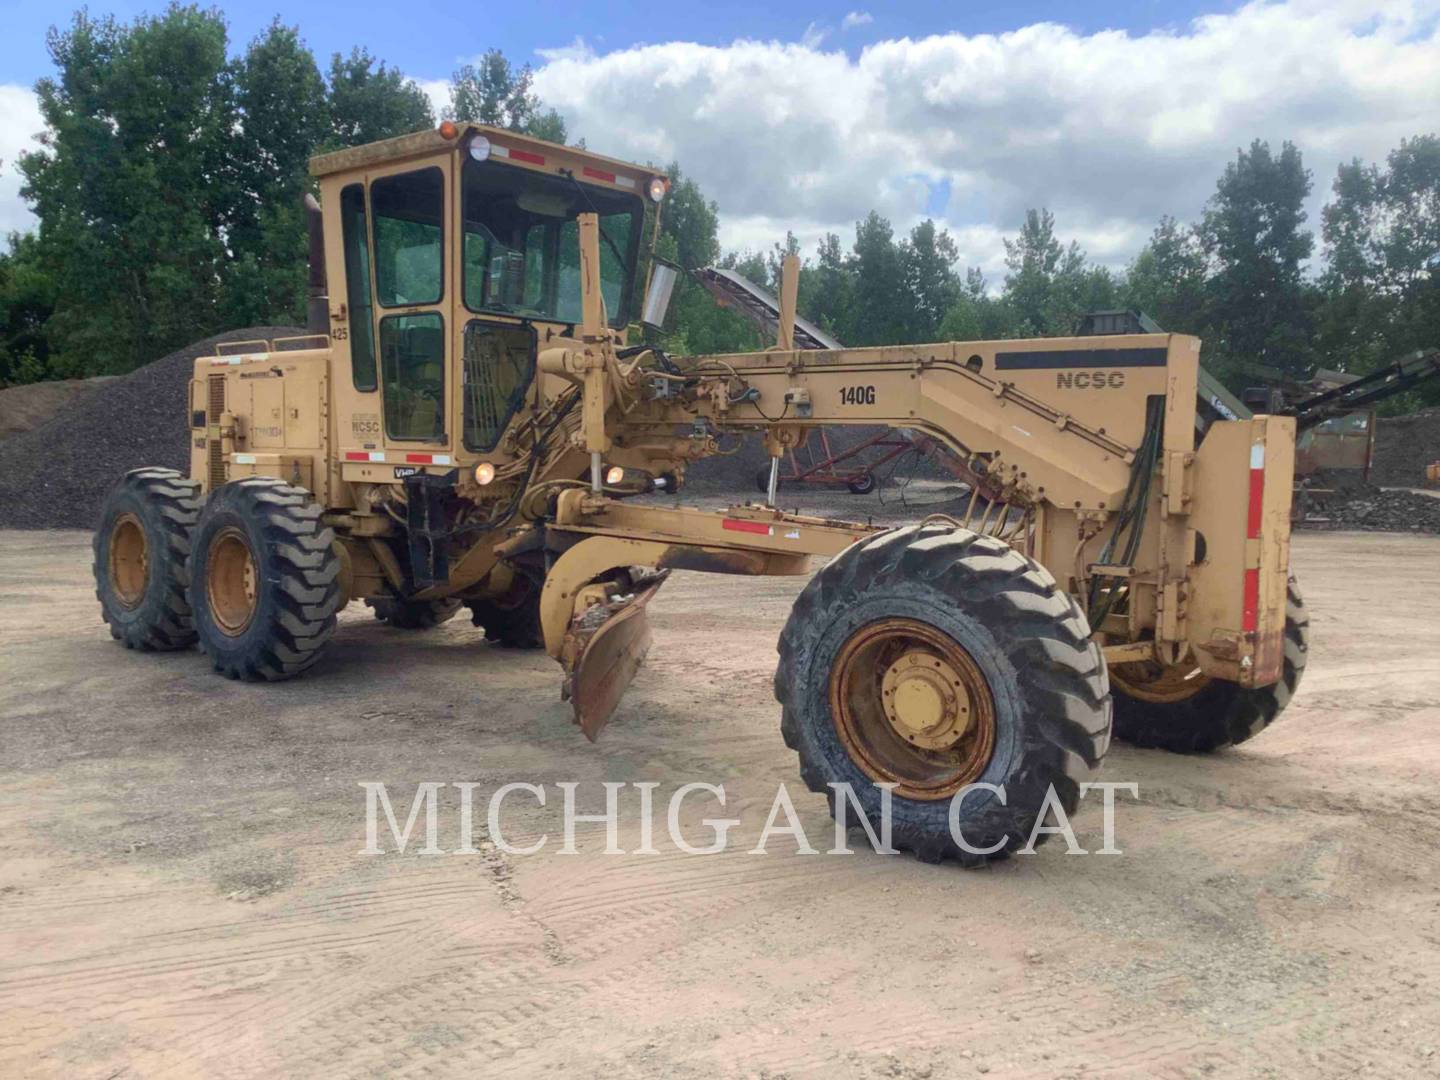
pixel 657 296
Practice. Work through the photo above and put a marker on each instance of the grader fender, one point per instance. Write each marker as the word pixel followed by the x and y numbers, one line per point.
pixel 604 648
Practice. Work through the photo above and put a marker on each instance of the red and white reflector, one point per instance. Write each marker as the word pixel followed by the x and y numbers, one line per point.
pixel 364 455
pixel 427 459
pixel 592 173
pixel 759 528
pixel 1250 602
pixel 511 153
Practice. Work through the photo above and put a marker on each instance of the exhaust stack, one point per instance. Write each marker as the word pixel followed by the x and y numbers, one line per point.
pixel 317 309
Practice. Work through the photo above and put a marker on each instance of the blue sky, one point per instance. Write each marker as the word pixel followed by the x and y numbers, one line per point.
pixel 805 117
pixel 430 36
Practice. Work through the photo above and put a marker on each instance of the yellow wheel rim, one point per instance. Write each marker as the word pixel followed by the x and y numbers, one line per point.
pixel 912 708
pixel 129 562
pixel 231 581
pixel 1146 680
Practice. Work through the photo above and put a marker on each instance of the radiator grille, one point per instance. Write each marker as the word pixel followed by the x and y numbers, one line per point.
pixel 215 406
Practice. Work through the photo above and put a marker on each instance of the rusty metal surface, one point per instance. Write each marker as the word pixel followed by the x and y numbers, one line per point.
pixel 604 648
pixel 888 753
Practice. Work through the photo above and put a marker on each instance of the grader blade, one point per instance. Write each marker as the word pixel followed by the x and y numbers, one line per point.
pixel 604 648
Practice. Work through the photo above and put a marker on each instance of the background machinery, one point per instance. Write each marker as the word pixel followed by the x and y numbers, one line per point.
pixel 469 421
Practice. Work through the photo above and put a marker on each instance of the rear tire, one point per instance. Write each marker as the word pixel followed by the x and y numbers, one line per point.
pixel 413 614
pixel 141 546
pixel 513 620
pixel 1218 714
pixel 1035 677
pixel 264 580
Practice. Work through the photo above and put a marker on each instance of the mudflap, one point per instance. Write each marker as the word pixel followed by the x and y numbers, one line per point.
pixel 604 648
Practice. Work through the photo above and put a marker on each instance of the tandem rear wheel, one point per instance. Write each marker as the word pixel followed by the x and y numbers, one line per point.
pixel 263 580
pixel 1179 709
pixel 141 545
pixel 931 658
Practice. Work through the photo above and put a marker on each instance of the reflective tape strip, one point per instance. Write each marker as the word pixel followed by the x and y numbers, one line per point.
pixel 625 181
pixel 427 459
pixel 757 527
pixel 598 174
pixel 364 455
pixel 243 459
pixel 1250 606
pixel 1257 493
pixel 516 155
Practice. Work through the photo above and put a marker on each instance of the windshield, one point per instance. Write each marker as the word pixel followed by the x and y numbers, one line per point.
pixel 522 252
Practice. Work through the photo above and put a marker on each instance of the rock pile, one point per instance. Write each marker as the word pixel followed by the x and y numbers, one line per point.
pixel 56 475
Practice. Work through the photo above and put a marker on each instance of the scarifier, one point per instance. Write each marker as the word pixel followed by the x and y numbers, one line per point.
pixel 469 419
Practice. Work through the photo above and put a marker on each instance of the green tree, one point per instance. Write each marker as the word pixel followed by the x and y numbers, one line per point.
pixel 281 103
pixel 879 311
pixel 1382 243
pixel 131 184
pixel 370 101
pixel 827 288
pixel 1050 285
pixel 497 93
pixel 1167 279
pixel 927 261
pixel 1253 233
pixel 27 297
pixel 689 238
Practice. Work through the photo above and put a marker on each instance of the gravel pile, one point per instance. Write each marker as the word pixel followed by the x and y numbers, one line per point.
pixel 1369 508
pixel 1404 445
pixel 56 475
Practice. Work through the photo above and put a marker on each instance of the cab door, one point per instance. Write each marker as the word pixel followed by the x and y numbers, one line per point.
pixel 408 228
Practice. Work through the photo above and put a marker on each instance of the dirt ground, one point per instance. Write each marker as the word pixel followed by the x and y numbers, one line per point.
pixel 181 892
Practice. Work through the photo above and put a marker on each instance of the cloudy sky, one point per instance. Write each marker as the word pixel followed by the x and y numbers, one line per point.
pixel 807 117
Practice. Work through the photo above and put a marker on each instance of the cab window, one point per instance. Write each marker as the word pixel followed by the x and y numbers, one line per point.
pixel 412 353
pixel 521 247
pixel 360 324
pixel 499 364
pixel 409 237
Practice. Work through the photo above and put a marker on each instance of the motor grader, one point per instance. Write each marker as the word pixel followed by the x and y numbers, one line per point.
pixel 469 424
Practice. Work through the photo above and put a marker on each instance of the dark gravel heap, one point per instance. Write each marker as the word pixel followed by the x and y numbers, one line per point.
pixel 56 476
pixel 1366 507
pixel 1404 445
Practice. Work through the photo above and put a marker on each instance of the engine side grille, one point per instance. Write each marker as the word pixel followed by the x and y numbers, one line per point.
pixel 216 455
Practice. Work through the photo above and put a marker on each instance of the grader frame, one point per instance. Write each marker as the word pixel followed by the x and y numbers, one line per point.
pixel 473 434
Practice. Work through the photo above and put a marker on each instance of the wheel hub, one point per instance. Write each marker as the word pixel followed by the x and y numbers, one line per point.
pixel 912 708
pixel 925 700
pixel 129 560
pixel 231 581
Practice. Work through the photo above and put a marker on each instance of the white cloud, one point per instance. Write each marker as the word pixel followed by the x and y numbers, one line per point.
pixel 19 123
pixel 438 91
pixel 1109 130
pixel 814 35
pixel 856 18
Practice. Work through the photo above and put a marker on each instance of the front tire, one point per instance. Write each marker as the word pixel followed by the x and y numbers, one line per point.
pixel 264 580
pixel 141 546
pixel 413 614
pixel 1005 684
pixel 512 621
pixel 1153 710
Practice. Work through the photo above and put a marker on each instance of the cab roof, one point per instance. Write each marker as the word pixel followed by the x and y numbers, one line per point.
pixel 431 141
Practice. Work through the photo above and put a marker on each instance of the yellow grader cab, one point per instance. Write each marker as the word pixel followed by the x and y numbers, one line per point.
pixel 470 419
